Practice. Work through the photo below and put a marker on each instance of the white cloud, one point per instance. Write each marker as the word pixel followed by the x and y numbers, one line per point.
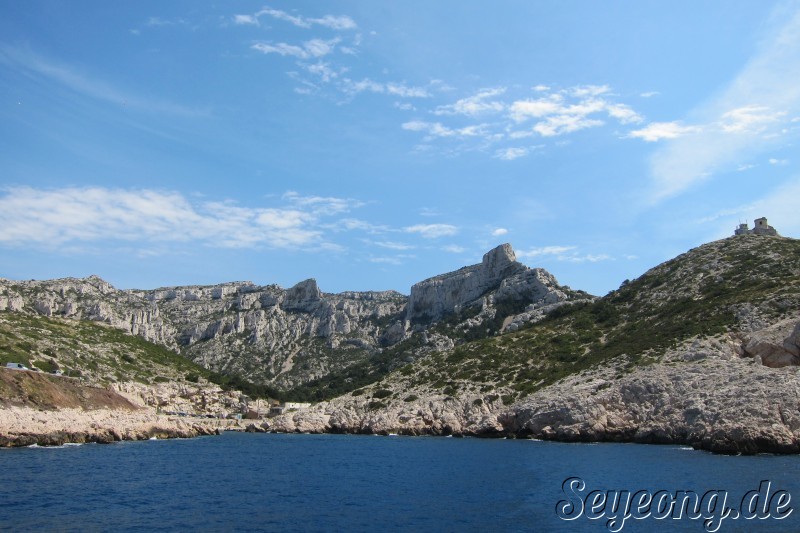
pixel 432 231
pixel 522 110
pixel 391 245
pixel 561 124
pixel 581 91
pixel 511 153
pixel 477 104
pixel 737 125
pixel 58 217
pixel 454 249
pixel 310 49
pixel 352 88
pixel 778 162
pixel 588 258
pixel 386 260
pixel 354 224
pixel 750 119
pixel 649 94
pixel 656 131
pixel 323 205
pixel 400 89
pixel 244 20
pixel 545 250
pixel 571 110
pixel 499 231
pixel 563 253
pixel 334 22
pixel 436 129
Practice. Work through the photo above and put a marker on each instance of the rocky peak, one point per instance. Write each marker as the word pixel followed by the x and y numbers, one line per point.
pixel 303 296
pixel 498 261
pixel 435 297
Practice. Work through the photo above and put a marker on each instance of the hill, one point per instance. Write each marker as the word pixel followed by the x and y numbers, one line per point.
pixel 699 350
pixel 299 343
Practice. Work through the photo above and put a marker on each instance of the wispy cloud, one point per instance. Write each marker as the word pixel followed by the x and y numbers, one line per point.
pixel 544 250
pixel 511 153
pixel 245 20
pixel 506 117
pixel 352 87
pixel 571 110
pixel 314 48
pixel 72 78
pixel 334 22
pixel 454 249
pixel 562 253
pixel 392 245
pixel 437 129
pixel 478 104
pixel 55 217
pixel 656 131
pixel 499 231
pixel 432 231
pixel 748 117
pixel 341 52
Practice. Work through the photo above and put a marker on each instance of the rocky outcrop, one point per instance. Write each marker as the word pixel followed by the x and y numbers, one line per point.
pixel 286 337
pixel 25 426
pixel 775 346
pixel 499 274
pixel 702 395
pixel 713 400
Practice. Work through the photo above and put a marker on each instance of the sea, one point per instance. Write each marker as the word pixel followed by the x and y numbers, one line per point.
pixel 279 482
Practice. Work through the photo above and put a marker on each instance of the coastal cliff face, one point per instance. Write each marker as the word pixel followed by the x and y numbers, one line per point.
pixel 288 337
pixel 704 394
pixel 700 350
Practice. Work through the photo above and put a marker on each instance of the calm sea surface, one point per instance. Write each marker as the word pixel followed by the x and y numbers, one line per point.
pixel 273 482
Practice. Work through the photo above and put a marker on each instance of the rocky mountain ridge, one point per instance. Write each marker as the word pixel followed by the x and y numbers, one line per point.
pixel 701 350
pixel 288 337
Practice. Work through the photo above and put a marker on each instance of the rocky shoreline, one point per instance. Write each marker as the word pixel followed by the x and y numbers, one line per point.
pixel 705 395
pixel 25 426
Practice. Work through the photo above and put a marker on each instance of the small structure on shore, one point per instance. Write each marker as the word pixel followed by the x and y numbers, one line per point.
pixel 761 228
pixel 288 406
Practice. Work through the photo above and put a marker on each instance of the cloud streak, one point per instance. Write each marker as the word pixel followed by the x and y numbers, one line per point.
pixel 749 117
pixel 506 118
pixel 334 22
pixel 56 217
pixel 68 76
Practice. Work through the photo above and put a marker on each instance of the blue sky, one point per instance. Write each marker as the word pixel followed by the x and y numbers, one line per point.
pixel 373 144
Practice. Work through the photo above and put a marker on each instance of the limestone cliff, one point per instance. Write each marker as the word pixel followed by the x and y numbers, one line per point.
pixel 701 350
pixel 288 337
pixel 499 275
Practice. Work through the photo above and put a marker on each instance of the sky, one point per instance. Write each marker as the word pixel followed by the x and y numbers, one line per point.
pixel 371 145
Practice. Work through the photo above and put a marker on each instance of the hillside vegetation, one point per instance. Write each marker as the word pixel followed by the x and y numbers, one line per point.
pixel 720 287
pixel 100 355
pixel 716 288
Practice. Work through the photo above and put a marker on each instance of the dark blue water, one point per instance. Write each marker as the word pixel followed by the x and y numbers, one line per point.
pixel 272 482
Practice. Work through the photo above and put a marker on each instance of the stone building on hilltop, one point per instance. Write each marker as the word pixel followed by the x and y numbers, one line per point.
pixel 761 228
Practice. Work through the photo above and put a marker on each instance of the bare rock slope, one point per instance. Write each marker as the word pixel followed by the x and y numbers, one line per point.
pixel 288 337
